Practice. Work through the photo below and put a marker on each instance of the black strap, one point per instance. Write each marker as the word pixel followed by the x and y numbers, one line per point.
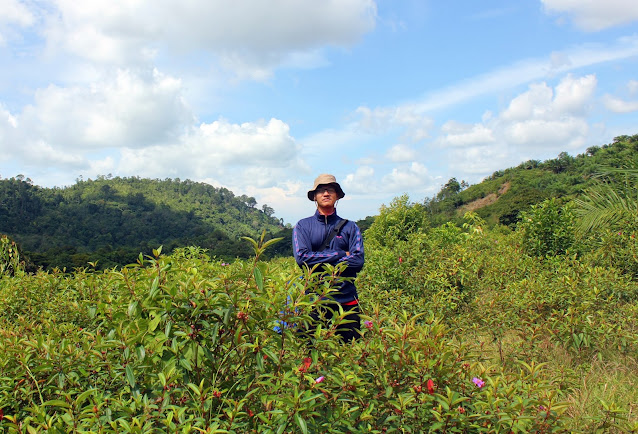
pixel 331 235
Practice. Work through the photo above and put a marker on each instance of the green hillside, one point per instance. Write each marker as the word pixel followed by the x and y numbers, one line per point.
pixel 501 197
pixel 112 220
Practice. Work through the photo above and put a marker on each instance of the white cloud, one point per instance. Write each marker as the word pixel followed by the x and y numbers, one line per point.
pixel 13 13
pixel 618 105
pixel 126 111
pixel 479 160
pixel 532 103
pixel 251 39
pixel 544 117
pixel 250 153
pixel 535 122
pixel 412 177
pixel 632 86
pixel 401 153
pixel 459 135
pixel 416 126
pixel 595 15
pixel 560 133
pixel 361 182
pixel 8 125
pixel 574 94
pixel 44 154
pixel 526 71
pixel 571 96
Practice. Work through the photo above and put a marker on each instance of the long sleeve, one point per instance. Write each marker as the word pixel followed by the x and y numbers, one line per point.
pixel 356 258
pixel 302 237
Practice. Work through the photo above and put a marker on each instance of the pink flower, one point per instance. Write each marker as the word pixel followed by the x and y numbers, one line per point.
pixel 479 383
pixel 320 379
pixel 368 324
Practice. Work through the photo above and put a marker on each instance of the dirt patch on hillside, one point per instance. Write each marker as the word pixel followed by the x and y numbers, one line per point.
pixel 484 201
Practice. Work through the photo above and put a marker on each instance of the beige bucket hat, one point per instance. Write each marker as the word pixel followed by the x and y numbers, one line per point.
pixel 326 179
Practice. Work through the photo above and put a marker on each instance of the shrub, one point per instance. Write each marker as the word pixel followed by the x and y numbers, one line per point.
pixel 547 229
pixel 397 222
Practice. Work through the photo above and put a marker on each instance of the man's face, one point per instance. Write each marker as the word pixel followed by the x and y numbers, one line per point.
pixel 326 195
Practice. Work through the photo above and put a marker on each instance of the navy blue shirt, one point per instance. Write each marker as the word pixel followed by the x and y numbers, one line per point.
pixel 308 236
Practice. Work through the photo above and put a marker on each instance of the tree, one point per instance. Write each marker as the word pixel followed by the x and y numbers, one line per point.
pixel 450 189
pixel 267 210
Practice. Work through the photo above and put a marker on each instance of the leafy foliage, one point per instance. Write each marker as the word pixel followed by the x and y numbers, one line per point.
pixel 10 261
pixel 462 333
pixel 610 200
pixel 548 229
pixel 398 221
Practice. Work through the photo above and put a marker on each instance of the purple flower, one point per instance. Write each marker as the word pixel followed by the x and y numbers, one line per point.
pixel 479 383
pixel 368 324
pixel 320 379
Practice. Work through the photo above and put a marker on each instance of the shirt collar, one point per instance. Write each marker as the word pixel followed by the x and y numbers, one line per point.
pixel 331 218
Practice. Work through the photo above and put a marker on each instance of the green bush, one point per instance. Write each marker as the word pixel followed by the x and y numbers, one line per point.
pixel 397 222
pixel 547 229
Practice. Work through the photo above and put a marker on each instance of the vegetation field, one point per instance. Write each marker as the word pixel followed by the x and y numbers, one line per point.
pixel 466 330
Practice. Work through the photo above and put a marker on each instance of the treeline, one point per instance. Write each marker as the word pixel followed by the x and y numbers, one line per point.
pixel 110 221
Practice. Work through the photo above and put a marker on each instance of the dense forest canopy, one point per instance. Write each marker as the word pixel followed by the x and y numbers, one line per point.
pixel 112 220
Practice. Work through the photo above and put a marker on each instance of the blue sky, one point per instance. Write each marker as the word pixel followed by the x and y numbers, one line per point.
pixel 391 96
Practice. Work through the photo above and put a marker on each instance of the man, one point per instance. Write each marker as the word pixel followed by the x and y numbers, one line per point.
pixel 308 238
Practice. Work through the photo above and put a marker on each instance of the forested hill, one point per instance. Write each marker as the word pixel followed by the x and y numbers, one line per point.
pixel 112 220
pixel 500 198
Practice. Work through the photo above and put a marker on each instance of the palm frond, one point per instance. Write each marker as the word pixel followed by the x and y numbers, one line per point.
pixel 605 203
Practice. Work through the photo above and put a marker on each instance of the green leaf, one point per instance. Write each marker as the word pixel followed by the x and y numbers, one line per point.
pixel 82 397
pixel 152 325
pixel 140 352
pixel 301 423
pixel 56 403
pixel 129 376
pixel 259 278
pixel 194 388
pixel 132 307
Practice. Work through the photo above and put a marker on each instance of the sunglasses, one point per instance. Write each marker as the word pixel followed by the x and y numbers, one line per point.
pixel 322 190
